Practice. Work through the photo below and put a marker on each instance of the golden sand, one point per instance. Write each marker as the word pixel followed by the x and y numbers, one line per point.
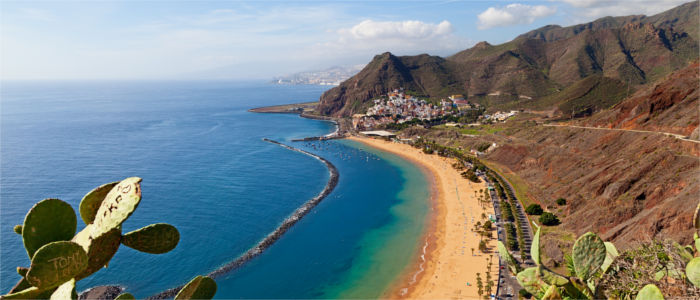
pixel 443 268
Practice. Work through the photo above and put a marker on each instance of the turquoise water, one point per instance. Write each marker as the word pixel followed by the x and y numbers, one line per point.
pixel 207 171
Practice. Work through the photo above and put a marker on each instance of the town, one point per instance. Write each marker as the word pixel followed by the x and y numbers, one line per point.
pixel 399 107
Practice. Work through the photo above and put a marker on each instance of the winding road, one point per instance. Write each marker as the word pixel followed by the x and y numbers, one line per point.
pixel 678 136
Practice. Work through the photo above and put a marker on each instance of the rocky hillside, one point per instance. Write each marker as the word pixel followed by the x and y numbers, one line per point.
pixel 614 51
pixel 629 186
pixel 671 105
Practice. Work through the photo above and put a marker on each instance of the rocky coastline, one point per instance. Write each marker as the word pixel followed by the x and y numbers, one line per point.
pixel 271 238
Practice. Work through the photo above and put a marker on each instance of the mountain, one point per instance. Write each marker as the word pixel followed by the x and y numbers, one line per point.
pixel 602 58
pixel 622 176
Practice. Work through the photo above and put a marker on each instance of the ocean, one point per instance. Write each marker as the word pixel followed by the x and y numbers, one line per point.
pixel 206 170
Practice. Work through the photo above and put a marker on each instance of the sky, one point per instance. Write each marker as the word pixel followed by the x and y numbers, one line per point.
pixel 261 39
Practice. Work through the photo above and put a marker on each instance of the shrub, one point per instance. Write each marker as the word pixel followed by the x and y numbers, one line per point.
pixel 549 219
pixel 507 212
pixel 561 201
pixel 482 246
pixel 487 225
pixel 533 209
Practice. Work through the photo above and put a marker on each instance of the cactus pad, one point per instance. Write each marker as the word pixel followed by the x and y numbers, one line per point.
pixel 649 292
pixel 610 255
pixel 125 296
pixel 92 200
pixel 30 293
pixel 552 293
pixel 18 229
pixel 117 206
pixel 99 249
pixel 529 280
pixel 201 287
pixel 56 263
pixel 692 270
pixel 550 277
pixel 155 238
pixel 48 221
pixel 588 255
pixel 65 291
pixel 535 247
pixel 507 258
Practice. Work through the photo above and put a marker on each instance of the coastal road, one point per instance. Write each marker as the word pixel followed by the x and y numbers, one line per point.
pixel 675 135
pixel 508 285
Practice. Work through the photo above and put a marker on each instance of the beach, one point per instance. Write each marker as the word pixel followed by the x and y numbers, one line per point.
pixel 444 266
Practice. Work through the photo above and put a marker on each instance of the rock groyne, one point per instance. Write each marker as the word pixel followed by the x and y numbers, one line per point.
pixel 277 233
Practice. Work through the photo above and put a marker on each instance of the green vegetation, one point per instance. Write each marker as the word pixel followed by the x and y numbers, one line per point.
pixel 561 201
pixel 549 219
pixel 481 130
pixel 469 174
pixel 510 236
pixel 483 147
pixel 534 209
pixel 598 271
pixel 49 236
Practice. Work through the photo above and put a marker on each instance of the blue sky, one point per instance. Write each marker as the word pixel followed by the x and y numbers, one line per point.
pixel 261 39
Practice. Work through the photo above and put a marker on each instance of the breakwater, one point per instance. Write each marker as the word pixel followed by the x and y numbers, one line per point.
pixel 277 233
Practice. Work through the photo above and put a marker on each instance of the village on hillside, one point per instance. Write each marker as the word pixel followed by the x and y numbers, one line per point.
pixel 398 107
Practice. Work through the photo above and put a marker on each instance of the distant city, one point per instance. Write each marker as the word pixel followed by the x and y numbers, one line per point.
pixel 331 76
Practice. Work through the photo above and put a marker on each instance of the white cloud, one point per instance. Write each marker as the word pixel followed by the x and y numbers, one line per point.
pixel 513 14
pixel 368 29
pixel 591 9
pixel 370 37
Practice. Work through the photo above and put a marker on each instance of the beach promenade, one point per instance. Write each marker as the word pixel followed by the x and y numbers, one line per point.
pixel 445 267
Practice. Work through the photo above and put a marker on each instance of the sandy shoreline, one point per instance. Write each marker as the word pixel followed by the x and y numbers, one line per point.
pixel 444 265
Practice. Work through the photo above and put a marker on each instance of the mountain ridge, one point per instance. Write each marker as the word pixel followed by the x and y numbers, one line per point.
pixel 634 50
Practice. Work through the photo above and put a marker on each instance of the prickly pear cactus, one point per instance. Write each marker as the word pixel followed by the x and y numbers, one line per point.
pixel 550 277
pixel 155 238
pixel 99 249
pixel 201 287
pixel 117 206
pixel 29 293
pixel 692 271
pixel 48 221
pixel 91 201
pixel 649 292
pixel 588 255
pixel 65 291
pixel 535 248
pixel 56 263
pixel 505 256
pixel 552 293
pixel 125 296
pixel 529 280
pixel 18 229
pixel 610 255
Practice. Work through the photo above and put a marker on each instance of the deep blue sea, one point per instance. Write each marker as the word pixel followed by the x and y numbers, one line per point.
pixel 206 170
